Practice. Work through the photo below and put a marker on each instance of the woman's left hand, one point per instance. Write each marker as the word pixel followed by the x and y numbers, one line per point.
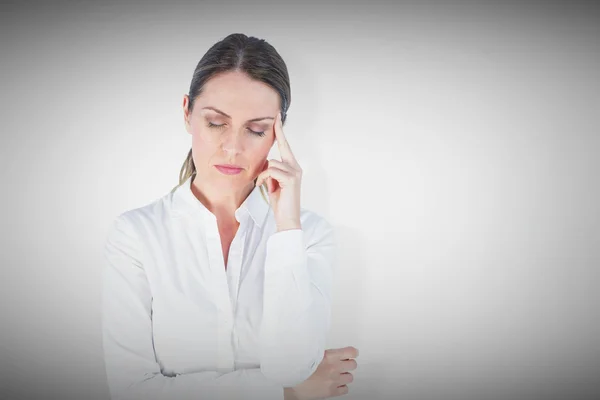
pixel 283 181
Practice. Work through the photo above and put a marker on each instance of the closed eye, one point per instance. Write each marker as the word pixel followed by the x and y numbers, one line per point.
pixel 262 133
pixel 211 125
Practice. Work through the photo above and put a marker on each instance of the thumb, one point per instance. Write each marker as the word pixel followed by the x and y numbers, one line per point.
pixel 270 185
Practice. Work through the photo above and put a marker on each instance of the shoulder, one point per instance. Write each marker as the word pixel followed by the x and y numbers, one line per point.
pixel 142 219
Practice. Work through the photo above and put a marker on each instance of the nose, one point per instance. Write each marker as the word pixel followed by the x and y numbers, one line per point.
pixel 232 142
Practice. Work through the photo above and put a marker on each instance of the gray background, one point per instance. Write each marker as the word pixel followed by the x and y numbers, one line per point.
pixel 454 145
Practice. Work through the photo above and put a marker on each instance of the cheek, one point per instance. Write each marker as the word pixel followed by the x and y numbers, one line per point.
pixel 203 146
pixel 204 140
pixel 205 135
pixel 259 155
pixel 260 149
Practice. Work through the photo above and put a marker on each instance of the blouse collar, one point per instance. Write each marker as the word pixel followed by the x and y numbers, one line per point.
pixel 254 205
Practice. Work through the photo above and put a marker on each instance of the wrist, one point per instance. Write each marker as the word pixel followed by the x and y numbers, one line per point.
pixel 285 226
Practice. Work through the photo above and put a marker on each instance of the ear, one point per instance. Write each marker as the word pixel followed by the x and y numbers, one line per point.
pixel 186 113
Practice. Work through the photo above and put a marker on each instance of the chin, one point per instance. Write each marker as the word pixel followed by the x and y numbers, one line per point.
pixel 232 180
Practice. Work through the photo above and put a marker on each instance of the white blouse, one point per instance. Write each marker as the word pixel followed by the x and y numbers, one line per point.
pixel 177 324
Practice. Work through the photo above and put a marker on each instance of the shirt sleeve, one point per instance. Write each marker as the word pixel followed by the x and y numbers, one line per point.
pixel 130 363
pixel 296 302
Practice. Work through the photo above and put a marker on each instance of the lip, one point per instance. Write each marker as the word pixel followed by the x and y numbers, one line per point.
pixel 229 169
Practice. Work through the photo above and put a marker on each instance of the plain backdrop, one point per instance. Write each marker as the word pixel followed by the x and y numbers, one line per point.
pixel 453 145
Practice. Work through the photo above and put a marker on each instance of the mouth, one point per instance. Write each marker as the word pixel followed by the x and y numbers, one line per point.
pixel 229 169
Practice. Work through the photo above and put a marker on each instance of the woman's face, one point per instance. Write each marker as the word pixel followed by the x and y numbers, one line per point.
pixel 231 123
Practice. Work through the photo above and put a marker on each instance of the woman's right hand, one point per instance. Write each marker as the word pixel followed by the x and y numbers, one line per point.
pixel 330 379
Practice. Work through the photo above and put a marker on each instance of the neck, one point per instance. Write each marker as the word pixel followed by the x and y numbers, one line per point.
pixel 221 203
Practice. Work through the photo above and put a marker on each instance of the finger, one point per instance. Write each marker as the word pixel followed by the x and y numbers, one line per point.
pixel 284 146
pixel 348 365
pixel 262 169
pixel 345 378
pixel 266 181
pixel 272 172
pixel 270 185
pixel 282 166
pixel 341 390
pixel 345 353
pixel 281 176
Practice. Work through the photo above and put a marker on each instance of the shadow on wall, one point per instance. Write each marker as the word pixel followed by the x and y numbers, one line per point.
pixel 349 290
pixel 303 133
pixel 349 312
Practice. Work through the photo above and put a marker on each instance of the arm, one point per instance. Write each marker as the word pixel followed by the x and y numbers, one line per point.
pixel 131 367
pixel 297 302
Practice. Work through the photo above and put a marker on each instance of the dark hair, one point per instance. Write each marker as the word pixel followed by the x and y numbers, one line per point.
pixel 248 54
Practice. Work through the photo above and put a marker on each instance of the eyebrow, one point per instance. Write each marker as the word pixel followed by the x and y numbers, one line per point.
pixel 222 113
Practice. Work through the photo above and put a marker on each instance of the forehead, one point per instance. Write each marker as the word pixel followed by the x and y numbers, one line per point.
pixel 237 94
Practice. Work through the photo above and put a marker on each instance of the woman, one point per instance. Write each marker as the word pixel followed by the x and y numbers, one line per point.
pixel 218 290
